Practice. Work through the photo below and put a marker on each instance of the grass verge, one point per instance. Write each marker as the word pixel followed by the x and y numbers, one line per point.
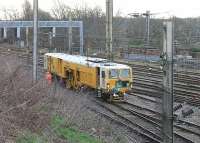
pixel 71 133
pixel 30 138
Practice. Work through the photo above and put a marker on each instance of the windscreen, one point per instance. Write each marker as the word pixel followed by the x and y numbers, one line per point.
pixel 116 73
pixel 124 73
pixel 113 73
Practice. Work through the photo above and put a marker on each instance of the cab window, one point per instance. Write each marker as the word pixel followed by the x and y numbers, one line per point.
pixel 125 73
pixel 113 73
pixel 103 75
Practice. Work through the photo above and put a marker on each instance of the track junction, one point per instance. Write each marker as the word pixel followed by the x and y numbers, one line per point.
pixel 141 117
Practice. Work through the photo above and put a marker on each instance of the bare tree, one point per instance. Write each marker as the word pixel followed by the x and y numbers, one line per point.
pixel 27 11
pixel 60 10
pixel 11 14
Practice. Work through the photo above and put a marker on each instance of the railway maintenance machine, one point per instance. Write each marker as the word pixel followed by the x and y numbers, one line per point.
pixel 110 80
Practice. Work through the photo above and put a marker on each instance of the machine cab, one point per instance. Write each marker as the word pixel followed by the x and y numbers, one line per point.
pixel 115 79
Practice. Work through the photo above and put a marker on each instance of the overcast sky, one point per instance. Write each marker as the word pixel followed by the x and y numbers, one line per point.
pixel 180 8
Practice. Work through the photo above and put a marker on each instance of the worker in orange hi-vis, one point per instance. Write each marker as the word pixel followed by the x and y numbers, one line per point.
pixel 49 77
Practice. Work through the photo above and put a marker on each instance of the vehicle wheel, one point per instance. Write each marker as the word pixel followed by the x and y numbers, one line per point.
pixel 68 84
pixel 110 99
pixel 99 93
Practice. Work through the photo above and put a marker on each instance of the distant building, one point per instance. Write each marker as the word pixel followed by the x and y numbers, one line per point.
pixel 183 51
pixel 149 51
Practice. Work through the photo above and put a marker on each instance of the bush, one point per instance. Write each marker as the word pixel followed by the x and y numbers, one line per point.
pixel 196 49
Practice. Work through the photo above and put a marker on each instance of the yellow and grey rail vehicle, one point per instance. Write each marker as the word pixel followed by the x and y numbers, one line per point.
pixel 110 80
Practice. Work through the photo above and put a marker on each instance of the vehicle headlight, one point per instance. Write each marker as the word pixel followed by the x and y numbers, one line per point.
pixel 108 85
pixel 131 85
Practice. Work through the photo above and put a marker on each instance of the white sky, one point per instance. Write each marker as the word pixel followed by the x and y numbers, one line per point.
pixel 180 8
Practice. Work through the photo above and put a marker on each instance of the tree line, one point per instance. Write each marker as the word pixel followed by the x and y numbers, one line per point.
pixel 127 32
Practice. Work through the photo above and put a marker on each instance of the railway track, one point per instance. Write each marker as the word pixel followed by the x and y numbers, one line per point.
pixel 149 82
pixel 121 116
pixel 182 127
pixel 180 96
pixel 179 88
pixel 24 54
pixel 156 115
pixel 155 118
pixel 147 121
pixel 142 120
pixel 187 84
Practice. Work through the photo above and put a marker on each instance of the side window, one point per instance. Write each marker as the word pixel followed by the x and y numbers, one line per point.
pixel 78 75
pixel 103 74
pixel 45 62
pixel 98 71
